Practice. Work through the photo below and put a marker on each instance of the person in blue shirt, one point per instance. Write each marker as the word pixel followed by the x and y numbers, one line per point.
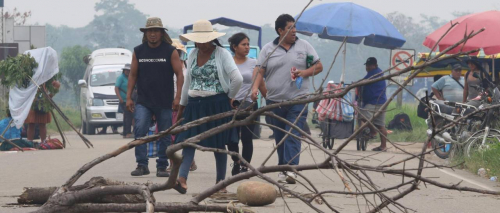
pixel 372 98
pixel 121 91
pixel 450 87
pixel 11 132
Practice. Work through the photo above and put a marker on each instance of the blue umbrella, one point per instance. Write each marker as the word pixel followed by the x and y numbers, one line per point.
pixel 336 21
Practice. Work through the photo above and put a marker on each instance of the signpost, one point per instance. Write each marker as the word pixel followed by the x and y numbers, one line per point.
pixel 1 21
pixel 401 59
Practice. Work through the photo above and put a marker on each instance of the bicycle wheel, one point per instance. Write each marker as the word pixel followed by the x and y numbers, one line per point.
pixel 363 144
pixel 475 142
pixel 442 150
pixel 330 143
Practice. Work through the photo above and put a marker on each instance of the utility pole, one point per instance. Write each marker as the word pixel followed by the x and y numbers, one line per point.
pixel 1 22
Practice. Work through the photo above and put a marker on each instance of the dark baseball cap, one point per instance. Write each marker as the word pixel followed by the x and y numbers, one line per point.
pixel 457 67
pixel 371 61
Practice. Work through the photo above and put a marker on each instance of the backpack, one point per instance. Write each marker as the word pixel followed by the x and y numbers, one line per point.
pixel 400 121
pixel 422 108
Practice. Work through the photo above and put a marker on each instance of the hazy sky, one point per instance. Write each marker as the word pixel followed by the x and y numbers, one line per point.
pixel 177 13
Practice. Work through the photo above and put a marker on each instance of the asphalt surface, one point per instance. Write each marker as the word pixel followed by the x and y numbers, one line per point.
pixel 54 167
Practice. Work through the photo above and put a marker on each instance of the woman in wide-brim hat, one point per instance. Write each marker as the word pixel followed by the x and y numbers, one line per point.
pixel 181 49
pixel 470 90
pixel 210 85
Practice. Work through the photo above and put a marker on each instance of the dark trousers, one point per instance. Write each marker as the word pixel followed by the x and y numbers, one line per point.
pixel 143 117
pixel 288 152
pixel 246 136
pixel 128 116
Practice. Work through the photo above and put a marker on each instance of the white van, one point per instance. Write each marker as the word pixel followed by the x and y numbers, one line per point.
pixel 98 100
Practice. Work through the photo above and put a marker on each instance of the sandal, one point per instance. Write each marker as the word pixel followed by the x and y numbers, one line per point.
pixel 378 149
pixel 193 167
pixel 179 188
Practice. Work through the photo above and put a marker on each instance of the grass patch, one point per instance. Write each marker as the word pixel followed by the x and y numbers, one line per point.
pixel 74 116
pixel 488 159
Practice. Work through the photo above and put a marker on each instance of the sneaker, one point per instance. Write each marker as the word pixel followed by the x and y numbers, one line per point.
pixel 281 177
pixel 290 177
pixel 236 169
pixel 140 171
pixel 162 172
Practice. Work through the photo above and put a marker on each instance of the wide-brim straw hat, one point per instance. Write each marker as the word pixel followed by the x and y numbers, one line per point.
pixel 153 23
pixel 178 45
pixel 203 32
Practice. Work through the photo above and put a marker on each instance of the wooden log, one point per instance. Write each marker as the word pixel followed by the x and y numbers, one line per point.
pixel 33 195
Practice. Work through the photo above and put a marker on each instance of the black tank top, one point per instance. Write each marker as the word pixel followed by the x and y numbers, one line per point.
pixel 155 76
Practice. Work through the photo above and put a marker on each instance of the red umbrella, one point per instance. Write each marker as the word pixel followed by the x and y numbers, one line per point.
pixel 489 40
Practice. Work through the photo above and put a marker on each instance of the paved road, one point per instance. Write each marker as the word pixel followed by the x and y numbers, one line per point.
pixel 52 168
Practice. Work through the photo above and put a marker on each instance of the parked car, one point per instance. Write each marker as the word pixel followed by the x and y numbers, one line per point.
pixel 98 100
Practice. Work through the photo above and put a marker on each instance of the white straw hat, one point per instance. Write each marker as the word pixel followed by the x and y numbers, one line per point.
pixel 203 32
pixel 178 45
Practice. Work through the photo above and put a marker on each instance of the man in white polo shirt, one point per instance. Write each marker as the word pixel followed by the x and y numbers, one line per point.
pixel 287 75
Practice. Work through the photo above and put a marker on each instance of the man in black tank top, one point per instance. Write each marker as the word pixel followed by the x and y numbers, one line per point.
pixel 153 66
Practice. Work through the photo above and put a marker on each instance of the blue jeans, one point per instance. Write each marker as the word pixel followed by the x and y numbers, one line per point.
pixel 143 116
pixel 187 159
pixel 289 150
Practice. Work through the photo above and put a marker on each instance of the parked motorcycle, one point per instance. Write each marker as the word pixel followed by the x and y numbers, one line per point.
pixel 475 132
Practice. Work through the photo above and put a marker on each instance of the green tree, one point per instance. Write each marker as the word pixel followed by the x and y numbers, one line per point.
pixel 72 67
pixel 117 25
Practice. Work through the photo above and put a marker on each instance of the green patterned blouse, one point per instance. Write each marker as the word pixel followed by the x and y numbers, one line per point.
pixel 206 77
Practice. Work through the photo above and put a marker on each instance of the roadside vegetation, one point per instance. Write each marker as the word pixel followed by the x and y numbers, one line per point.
pixel 72 113
pixel 488 159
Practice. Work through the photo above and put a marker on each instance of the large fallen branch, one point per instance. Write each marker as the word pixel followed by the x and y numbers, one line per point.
pixel 355 177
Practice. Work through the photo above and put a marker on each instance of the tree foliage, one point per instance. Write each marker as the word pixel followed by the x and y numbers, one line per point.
pixel 117 25
pixel 72 67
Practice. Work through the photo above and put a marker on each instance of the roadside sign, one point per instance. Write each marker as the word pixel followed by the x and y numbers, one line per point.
pixel 401 59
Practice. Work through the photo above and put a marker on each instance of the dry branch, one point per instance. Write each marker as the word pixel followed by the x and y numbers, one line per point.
pixel 356 178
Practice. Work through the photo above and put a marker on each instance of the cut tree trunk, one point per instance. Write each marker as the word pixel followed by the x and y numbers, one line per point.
pixel 41 195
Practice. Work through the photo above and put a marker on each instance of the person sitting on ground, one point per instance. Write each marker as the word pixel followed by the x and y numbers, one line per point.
pixel 450 87
pixel 11 132
pixel 373 97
